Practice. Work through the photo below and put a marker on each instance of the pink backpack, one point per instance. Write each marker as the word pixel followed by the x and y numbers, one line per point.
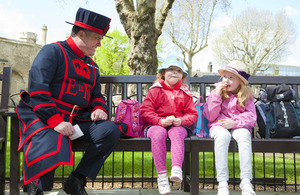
pixel 128 112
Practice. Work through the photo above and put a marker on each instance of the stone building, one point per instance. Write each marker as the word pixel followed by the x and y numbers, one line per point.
pixel 19 54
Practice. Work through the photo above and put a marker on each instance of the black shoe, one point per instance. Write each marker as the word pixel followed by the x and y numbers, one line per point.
pixel 33 190
pixel 75 186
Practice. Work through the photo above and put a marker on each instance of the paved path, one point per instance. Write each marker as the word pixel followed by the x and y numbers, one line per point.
pixel 154 192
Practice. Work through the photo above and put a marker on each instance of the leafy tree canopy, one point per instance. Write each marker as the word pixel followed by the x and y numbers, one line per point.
pixel 111 57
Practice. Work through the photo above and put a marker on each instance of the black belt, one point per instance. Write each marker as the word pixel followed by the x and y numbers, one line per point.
pixel 67 108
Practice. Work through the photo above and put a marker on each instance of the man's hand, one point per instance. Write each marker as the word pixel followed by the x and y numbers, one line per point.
pixel 64 128
pixel 98 115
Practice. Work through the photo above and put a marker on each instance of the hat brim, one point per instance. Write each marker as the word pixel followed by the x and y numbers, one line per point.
pixel 221 72
pixel 88 29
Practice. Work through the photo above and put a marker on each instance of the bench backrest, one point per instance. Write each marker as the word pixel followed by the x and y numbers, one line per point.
pixel 126 81
pixel 5 77
pixel 200 86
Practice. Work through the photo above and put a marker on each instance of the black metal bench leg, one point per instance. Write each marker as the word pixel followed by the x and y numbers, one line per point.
pixel 186 181
pixel 2 154
pixel 194 166
pixel 14 157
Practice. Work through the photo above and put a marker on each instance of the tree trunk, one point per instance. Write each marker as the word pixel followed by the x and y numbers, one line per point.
pixel 143 30
pixel 142 58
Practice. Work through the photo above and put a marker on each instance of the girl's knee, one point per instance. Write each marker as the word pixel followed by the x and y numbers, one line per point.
pixel 177 131
pixel 221 133
pixel 157 132
pixel 242 135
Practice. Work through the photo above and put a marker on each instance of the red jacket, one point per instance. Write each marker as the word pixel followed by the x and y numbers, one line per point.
pixel 162 101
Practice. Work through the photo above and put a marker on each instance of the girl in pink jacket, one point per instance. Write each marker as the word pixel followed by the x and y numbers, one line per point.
pixel 231 113
pixel 167 110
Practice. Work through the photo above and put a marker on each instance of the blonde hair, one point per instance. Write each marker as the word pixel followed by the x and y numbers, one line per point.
pixel 161 76
pixel 243 94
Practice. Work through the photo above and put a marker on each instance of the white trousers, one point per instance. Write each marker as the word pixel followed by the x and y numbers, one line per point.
pixel 222 139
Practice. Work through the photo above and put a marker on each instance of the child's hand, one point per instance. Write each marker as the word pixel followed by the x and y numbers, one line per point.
pixel 177 122
pixel 170 118
pixel 227 123
pixel 166 122
pixel 219 88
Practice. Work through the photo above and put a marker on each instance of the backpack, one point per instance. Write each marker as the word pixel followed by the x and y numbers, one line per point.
pixel 128 112
pixel 200 127
pixel 278 113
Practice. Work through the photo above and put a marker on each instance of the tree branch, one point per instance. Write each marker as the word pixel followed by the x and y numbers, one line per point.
pixel 125 9
pixel 162 14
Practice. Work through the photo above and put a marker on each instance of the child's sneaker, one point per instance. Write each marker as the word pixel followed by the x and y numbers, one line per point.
pixel 223 188
pixel 163 184
pixel 246 188
pixel 176 174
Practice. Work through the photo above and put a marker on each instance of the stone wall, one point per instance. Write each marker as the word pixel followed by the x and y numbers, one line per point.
pixel 19 55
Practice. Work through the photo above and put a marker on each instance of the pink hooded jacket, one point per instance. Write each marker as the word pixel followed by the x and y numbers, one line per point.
pixel 215 109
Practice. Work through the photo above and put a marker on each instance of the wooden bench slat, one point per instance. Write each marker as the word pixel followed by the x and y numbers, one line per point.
pixel 129 144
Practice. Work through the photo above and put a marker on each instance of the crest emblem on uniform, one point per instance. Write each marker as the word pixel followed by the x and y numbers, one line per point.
pixel 81 68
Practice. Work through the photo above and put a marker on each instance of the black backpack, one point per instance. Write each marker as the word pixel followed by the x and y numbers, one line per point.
pixel 278 113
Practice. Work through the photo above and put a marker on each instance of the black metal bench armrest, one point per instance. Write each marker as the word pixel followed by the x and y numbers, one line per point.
pixel 2 139
pixel 11 113
pixel 2 112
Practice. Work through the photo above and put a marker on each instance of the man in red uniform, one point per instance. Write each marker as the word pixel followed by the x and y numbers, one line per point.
pixel 64 90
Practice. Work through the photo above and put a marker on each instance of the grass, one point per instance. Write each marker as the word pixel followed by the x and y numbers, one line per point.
pixel 272 166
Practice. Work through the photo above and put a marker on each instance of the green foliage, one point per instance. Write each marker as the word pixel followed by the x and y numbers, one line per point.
pixel 111 57
pixel 160 48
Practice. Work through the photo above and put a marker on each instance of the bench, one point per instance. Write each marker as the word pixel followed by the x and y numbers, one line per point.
pixel 5 85
pixel 123 86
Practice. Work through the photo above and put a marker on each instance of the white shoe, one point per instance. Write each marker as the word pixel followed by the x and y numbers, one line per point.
pixel 246 188
pixel 176 174
pixel 223 189
pixel 163 184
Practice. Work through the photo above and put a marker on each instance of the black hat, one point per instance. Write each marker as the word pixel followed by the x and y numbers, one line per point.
pixel 92 21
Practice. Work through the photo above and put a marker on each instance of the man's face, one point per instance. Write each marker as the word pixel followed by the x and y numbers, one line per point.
pixel 89 42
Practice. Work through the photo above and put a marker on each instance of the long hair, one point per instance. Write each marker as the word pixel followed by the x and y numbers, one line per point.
pixel 243 94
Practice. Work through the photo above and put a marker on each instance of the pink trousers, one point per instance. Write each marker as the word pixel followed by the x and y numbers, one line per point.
pixel 158 136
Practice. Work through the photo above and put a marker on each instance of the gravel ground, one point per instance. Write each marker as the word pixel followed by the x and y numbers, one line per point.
pixel 174 186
